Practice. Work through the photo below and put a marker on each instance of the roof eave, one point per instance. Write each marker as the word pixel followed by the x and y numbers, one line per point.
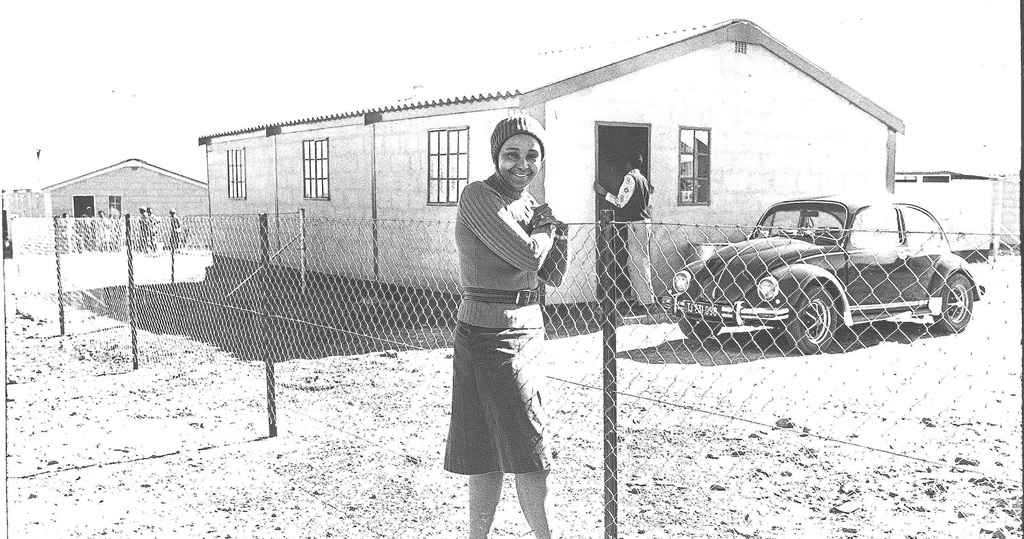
pixel 736 30
pixel 126 163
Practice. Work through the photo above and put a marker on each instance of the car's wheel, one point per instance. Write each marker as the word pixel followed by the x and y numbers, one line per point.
pixel 957 305
pixel 696 332
pixel 812 328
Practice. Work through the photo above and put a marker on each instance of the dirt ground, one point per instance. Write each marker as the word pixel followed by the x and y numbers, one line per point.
pixel 904 434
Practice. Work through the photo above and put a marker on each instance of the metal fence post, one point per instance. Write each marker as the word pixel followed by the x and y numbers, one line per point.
pixel 173 246
pixel 56 251
pixel 609 321
pixel 265 326
pixel 302 249
pixel 131 291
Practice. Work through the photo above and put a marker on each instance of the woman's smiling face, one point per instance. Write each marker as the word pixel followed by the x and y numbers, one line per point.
pixel 519 160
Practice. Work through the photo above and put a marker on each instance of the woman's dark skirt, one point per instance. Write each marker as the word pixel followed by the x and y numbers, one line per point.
pixel 498 423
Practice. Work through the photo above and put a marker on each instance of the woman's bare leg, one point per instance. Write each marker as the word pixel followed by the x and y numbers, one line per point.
pixel 484 493
pixel 533 498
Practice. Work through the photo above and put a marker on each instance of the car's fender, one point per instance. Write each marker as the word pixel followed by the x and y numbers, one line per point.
pixel 949 265
pixel 794 276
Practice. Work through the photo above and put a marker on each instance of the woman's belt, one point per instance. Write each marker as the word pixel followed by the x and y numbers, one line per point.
pixel 511 297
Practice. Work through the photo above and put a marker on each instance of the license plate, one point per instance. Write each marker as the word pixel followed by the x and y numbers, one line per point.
pixel 706 310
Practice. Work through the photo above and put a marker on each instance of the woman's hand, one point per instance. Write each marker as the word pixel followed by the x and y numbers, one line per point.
pixel 600 190
pixel 544 218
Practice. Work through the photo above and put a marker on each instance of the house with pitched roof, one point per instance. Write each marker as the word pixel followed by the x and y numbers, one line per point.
pixel 126 186
pixel 728 117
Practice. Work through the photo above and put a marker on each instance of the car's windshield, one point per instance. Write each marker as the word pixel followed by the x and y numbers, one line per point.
pixel 815 222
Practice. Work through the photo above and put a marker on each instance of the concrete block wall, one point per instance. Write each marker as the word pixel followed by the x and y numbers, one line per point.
pixel 775 133
pixel 137 186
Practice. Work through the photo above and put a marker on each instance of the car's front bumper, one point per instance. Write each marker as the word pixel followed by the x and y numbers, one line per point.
pixel 736 314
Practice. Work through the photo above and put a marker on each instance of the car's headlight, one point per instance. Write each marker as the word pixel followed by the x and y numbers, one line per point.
pixel 681 280
pixel 768 288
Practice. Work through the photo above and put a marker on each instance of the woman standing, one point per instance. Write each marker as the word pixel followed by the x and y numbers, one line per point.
pixel 507 244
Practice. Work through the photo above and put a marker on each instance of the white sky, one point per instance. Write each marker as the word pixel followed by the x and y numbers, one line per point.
pixel 94 83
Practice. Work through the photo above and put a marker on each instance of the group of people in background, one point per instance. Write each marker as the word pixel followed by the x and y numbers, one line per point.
pixel 106 233
pixel 87 234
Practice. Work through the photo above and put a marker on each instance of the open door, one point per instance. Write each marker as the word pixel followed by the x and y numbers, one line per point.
pixel 614 142
pixel 84 206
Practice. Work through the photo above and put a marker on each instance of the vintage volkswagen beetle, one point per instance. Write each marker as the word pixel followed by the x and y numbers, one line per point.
pixel 814 263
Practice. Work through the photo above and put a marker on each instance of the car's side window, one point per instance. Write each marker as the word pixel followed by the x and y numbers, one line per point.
pixel 875 228
pixel 923 233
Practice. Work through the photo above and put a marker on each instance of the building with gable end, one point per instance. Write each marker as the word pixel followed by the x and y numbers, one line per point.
pixel 126 186
pixel 729 118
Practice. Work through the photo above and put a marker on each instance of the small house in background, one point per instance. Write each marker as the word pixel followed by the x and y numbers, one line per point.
pixel 127 186
pixel 976 212
pixel 728 118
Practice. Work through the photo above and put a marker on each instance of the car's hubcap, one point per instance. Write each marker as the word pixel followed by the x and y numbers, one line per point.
pixel 957 307
pixel 817 321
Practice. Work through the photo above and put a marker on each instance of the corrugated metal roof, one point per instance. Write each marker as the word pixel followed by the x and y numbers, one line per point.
pixel 489 81
pixel 495 80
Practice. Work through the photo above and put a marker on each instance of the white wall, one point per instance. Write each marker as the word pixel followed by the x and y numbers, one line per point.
pixel 775 132
pixel 964 207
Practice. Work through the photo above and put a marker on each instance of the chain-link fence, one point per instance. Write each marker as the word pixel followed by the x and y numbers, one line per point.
pixel 788 379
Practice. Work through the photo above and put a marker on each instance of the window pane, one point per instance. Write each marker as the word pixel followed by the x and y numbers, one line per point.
pixel 453 166
pixel 432 173
pixel 443 143
pixel 685 166
pixel 433 142
pixel 442 166
pixel 453 190
pixel 703 166
pixel 464 140
pixel 703 139
pixel 685 141
pixel 431 190
pixel 463 166
pixel 686 190
pixel 922 232
pixel 453 141
pixel 703 190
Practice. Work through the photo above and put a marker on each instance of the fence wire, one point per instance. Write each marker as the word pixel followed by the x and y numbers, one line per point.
pixel 861 379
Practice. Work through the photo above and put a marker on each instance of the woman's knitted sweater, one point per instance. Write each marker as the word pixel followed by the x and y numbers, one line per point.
pixel 498 251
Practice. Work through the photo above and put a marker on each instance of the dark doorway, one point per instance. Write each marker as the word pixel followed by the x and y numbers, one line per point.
pixel 84 206
pixel 614 142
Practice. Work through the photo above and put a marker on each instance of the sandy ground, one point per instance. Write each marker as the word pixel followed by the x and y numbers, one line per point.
pixel 904 435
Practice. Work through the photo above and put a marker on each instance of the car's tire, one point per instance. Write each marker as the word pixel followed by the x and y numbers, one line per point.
pixel 812 327
pixel 957 305
pixel 696 332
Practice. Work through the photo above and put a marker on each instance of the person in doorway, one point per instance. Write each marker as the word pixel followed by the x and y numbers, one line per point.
pixel 633 201
pixel 507 244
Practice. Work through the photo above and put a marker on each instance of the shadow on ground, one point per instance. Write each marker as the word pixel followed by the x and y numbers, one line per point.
pixel 736 348
pixel 324 316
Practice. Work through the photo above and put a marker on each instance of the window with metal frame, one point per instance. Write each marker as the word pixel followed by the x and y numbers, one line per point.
pixel 114 203
pixel 694 166
pixel 316 170
pixel 447 164
pixel 236 173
